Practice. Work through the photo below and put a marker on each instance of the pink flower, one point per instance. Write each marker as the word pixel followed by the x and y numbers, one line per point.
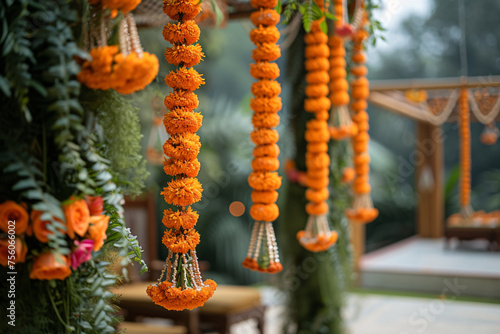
pixel 344 30
pixel 82 252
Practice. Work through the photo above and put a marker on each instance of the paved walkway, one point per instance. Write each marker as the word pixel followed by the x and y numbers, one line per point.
pixel 376 314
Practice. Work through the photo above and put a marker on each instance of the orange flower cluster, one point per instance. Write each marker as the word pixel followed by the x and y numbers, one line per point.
pixel 84 222
pixel 110 69
pixel 477 219
pixel 340 124
pixel 317 102
pixel 183 287
pixel 115 5
pixel 266 104
pixel 362 210
pixel 317 235
pixel 169 296
pixel 489 135
pixel 465 153
pixel 348 174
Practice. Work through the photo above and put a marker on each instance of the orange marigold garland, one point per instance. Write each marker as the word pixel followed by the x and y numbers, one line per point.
pixel 183 287
pixel 362 210
pixel 317 235
pixel 263 250
pixel 127 71
pixel 340 124
pixel 465 155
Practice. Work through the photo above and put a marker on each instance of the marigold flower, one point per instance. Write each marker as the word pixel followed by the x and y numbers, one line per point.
pixel 359 58
pixel 183 192
pixel 265 164
pixel 187 9
pixel 47 267
pixel 361 215
pixel 182 78
pixel 339 98
pixel 170 297
pixel 347 175
pixel 317 183
pixel 266 196
pixel 362 169
pixel 337 62
pixel 265 17
pixel 133 72
pixel 181 120
pixel 317 77
pixel 315 91
pixel 264 70
pixel 317 161
pixel 317 147
pixel 263 34
pixel 187 55
pixel 181 98
pixel 123 5
pixel 96 73
pixel 362 159
pixel 264 180
pixel 360 116
pixel 317 174
pixel 317 105
pixel 339 84
pixel 263 3
pixel 264 212
pixel 181 242
pixel 313 135
pixel 317 209
pixel 189 168
pixel 317 51
pixel 266 105
pixel 181 219
pixel 316 38
pixel 270 150
pixel 264 136
pixel 320 243
pixel 182 146
pixel 359 71
pixel 186 32
pixel 317 64
pixel 11 211
pixel 266 52
pixel 343 131
pixel 317 195
pixel 265 120
pixel 266 88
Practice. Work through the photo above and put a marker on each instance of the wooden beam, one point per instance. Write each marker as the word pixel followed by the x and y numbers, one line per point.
pixel 405 109
pixel 429 181
pixel 434 83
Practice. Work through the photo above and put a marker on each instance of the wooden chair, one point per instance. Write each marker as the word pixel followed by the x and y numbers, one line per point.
pixel 228 306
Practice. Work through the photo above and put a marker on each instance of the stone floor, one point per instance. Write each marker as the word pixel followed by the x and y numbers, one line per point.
pixel 426 265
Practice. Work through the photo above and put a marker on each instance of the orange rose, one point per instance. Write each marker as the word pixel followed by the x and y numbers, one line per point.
pixel 46 266
pixel 15 253
pixel 39 227
pixel 97 230
pixel 10 211
pixel 95 204
pixel 77 217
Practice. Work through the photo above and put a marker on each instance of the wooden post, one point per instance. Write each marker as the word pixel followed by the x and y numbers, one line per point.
pixel 429 180
pixel 358 243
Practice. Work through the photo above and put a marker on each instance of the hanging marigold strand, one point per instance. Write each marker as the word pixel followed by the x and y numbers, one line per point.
pixel 262 252
pixel 183 287
pixel 317 236
pixel 362 210
pixel 340 124
pixel 465 155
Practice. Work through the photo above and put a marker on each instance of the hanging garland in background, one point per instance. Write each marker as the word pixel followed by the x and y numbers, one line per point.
pixel 183 287
pixel 362 210
pixel 317 235
pixel 262 252
pixel 465 155
pixel 126 69
pixel 340 123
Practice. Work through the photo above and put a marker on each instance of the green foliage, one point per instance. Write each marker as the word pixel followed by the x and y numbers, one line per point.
pixel 120 133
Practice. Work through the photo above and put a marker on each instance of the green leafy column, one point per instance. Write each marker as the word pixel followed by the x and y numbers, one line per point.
pixel 314 282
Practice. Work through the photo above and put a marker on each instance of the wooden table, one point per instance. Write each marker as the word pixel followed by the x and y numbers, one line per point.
pixel 229 305
pixel 491 234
